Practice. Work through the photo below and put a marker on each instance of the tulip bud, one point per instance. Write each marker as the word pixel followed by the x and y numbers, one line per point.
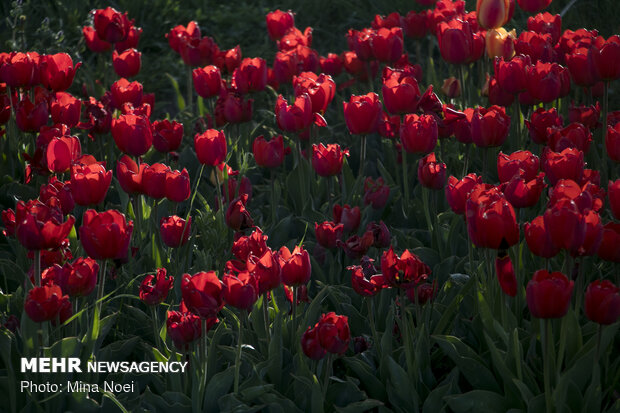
pixel 548 294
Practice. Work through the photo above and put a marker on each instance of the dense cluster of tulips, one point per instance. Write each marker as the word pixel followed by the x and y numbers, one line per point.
pixel 427 291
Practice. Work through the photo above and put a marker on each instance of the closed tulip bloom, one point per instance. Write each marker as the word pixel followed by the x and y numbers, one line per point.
pixel 544 81
pixel 177 185
pixel 65 109
pixel 254 244
pixel 376 192
pixel 328 233
pixel 207 81
pixel 321 89
pixel 132 134
pixel 538 239
pixel 295 265
pixel 580 63
pixel 602 302
pixel 387 44
pixel 405 271
pixel 521 162
pixel 167 135
pixel 419 133
pixel 458 190
pixel 127 63
pixel 60 190
pixel 457 42
pixel 123 91
pixel 279 22
pixel 296 117
pixel 31 117
pixel 105 234
pixel 333 332
pixel 184 328
pixel 355 247
pixel 175 231
pixel 400 91
pixel 574 135
pixel 613 192
pixel 57 71
pixel 250 76
pixel 540 120
pixel 61 152
pixel 268 154
pixel 180 33
pixel 566 224
pixel 20 69
pixel 491 220
pixel 546 23
pixel 431 174
pixel 548 294
pixel 522 193
pixel 506 275
pixel 510 73
pixel 490 127
pixel 93 42
pixel 361 113
pixel 348 216
pixel 154 180
pixel 607 57
pixel 237 216
pixel 588 116
pixel 210 147
pixel 203 293
pixel 331 64
pixel 416 24
pixel 241 290
pixel 46 303
pixel 328 160
pixel 129 175
pixel 266 269
pixel 609 250
pixel 89 181
pixel 39 226
pixel 533 6
pixel 612 142
pixel 593 235
pixel 79 278
pixel 567 164
pixel 111 25
pixel 131 42
pixel 311 345
pixel 494 13
pixel 154 288
pixel 500 43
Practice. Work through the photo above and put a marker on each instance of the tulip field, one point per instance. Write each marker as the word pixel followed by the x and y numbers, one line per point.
pixel 325 206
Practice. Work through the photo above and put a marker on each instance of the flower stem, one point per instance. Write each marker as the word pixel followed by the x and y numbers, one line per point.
pixel 373 327
pixel 155 325
pixel 405 179
pixel 273 197
pixel 37 268
pixel 293 316
pixel 217 190
pixel 238 356
pixel 547 347
pixel 101 287
pixel 266 317
pixel 328 367
pixel 605 160
pixel 362 155
pixel 190 89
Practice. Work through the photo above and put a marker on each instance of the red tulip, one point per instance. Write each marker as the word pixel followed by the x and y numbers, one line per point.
pixel 333 332
pixel 593 235
pixel 566 224
pixel 328 160
pixel 431 174
pixel 544 81
pixel 255 244
pixel 405 271
pixel 131 42
pixel 123 91
pixel 279 22
pixel 177 185
pixel 241 290
pixel 458 43
pixel 167 135
pixel 540 120
pixel 506 275
pixel 184 328
pixel 154 181
pixel 362 113
pixel 366 286
pixel 415 25
pixel 522 193
pixel 490 127
pixel 457 191
pixel 20 69
pixel 587 115
pixel 61 191
pixel 400 91
pixel 127 63
pixel 311 345
pixel 65 109
pixel 57 71
pixel 331 65
pixel 491 220
pixel 40 226
pixel 207 81
pixel 266 269
pixel 602 302
pixel 89 181
pixel 510 74
pixel 268 154
pixel 328 233
pixel 387 44
pixel 98 117
pixel 175 231
pixel 129 175
pixel 613 191
pixel 79 278
pixel 61 152
pixel 295 265
pixel 210 147
pixel 609 250
pixel 581 64
pixel 154 288
pixel 494 13
pixel 567 164
pixel 132 134
pixel 31 117
pixel 47 303
pixel 111 26
pixel 612 142
pixel 574 135
pixel 546 23
pixel 203 293
pixel 321 89
pixel 250 76
pixel 181 33
pixel 355 247
pixel 548 294
pixel 93 42
pixel 296 117
pixel 533 6
pixel 349 217
pixel 105 234
pixel 607 57
pixel 237 216
pixel 419 134
pixel 522 163
pixel 376 192
pixel 538 239
pixel 8 220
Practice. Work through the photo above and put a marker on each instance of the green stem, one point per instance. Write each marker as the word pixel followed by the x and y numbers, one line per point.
pixel 238 356
pixel 547 348
pixel 427 212
pixel 328 367
pixel 101 287
pixel 373 327
pixel 273 197
pixel 218 191
pixel 599 333
pixel 266 317
pixel 330 196
pixel 293 316
pixel 405 332
pixel 405 179
pixel 463 88
pixel 155 325
pixel 204 346
pixel 190 89
pixel 362 155
pixel 605 159
pixel 37 268
pixel 517 115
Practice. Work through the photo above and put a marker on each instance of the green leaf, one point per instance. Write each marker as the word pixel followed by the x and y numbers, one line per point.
pixel 479 401
pixel 361 406
pixel 372 384
pixel 175 86
pixel 217 387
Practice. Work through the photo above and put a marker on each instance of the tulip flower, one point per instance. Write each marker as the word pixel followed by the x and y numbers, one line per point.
pixel 602 302
pixel 31 117
pixel 295 265
pixel 57 71
pixel 548 294
pixel 333 332
pixel 60 190
pixel 574 135
pixel 546 23
pixel 268 154
pixel 177 185
pixel 609 250
pixel 400 91
pixel 241 290
pixel 123 91
pixel 127 64
pixel 21 69
pixel 506 275
pixel 457 191
pixel 237 216
pixel 355 247
pixel 203 293
pixel 207 81
pixel 533 6
pixel 612 142
pixel 613 191
pixel 490 127
pixel 311 345
pixel 431 174
pixel 40 226
pixel 567 164
pixel 494 13
pixel 111 26
pixel 361 113
pixel 266 269
pixel 348 216
pixel 279 22
pixel 321 89
pixel 105 234
pixel 328 233
pixel 89 181
pixel 566 224
pixel 540 120
pixel 184 328
pixel 167 135
pixel 255 244
pixel 607 57
pixel 387 44
pixel 419 134
pixel 132 134
pixel 47 303
pixel 491 220
pixel 328 160
pixel 458 43
pixel 405 271
pixel 416 24
pixel 296 117
pixel 522 193
pixel 522 163
pixel 538 239
pixel 79 278
pixel 175 231
pixel 93 42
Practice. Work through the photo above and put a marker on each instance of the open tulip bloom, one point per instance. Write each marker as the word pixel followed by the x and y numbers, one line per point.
pixel 445 235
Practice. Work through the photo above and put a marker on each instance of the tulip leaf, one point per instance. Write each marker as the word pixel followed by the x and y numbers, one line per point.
pixel 361 406
pixel 477 401
pixel 175 86
pixel 372 385
pixel 218 386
